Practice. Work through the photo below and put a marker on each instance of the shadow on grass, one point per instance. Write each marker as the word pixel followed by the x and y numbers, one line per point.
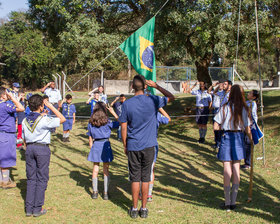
pixel 83 180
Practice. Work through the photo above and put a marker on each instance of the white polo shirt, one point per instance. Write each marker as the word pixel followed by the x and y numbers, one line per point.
pixel 53 94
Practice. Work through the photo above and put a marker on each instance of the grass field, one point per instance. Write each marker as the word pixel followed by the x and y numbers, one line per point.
pixel 188 186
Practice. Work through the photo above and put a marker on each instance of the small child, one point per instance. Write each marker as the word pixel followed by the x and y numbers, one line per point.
pixel 99 131
pixel 8 136
pixel 46 109
pixel 117 105
pixel 162 118
pixel 93 100
pixel 253 97
pixel 27 109
pixel 69 112
pixel 37 137
pixel 20 117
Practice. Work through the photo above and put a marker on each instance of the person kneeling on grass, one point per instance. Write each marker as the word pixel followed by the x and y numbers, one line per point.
pixel 99 131
pixel 37 137
pixel 69 112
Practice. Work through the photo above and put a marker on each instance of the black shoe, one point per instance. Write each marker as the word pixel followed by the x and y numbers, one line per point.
pixel 143 213
pixel 232 207
pixel 67 139
pixel 42 212
pixel 105 196
pixel 133 213
pixel 245 166
pixel 94 195
pixel 225 207
pixel 64 139
pixel 199 140
pixel 202 140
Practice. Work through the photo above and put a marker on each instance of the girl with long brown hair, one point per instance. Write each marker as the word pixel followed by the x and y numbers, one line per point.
pixel 233 119
pixel 99 131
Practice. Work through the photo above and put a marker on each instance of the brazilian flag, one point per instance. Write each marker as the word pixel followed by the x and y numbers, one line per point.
pixel 139 48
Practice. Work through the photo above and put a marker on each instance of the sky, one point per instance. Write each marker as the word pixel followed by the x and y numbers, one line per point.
pixel 12 5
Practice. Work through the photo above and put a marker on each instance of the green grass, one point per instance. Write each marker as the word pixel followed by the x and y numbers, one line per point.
pixel 188 186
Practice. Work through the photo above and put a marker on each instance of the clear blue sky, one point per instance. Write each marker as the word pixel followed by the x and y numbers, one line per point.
pixel 12 5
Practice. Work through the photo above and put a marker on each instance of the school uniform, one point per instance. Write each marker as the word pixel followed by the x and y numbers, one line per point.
pixel 160 120
pixel 118 109
pixel 232 141
pixel 20 117
pixel 103 98
pixel 253 109
pixel 67 111
pixel 37 135
pixel 92 104
pixel 140 114
pixel 7 134
pixel 224 98
pixel 101 150
pixel 203 100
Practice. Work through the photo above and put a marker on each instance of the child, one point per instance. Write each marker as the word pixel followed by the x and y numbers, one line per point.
pixel 99 131
pixel 162 118
pixel 203 102
pixel 69 112
pixel 37 137
pixel 93 100
pixel 46 109
pixel 253 97
pixel 117 105
pixel 233 119
pixel 27 109
pixel 20 117
pixel 7 136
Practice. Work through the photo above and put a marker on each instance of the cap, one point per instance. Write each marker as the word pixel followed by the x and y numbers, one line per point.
pixel 28 95
pixel 16 84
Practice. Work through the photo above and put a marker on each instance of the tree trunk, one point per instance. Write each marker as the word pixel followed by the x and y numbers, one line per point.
pixel 202 71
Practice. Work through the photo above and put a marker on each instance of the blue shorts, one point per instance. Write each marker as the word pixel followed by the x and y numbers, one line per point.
pixel 232 146
pixel 202 119
pixel 67 125
pixel 156 153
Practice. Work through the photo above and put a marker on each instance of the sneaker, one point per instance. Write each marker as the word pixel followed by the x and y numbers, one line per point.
pixel 133 213
pixel 105 196
pixel 67 139
pixel 9 184
pixel 64 139
pixel 42 212
pixel 245 166
pixel 143 213
pixel 94 195
pixel 232 207
pixel 150 198
pixel 199 140
pixel 225 207
pixel 28 214
pixel 202 140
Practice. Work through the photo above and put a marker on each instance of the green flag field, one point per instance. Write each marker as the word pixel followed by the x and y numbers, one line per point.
pixel 188 185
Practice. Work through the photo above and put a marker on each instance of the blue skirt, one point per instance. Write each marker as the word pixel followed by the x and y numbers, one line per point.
pixel 101 151
pixel 232 147
pixel 8 154
pixel 68 124
pixel 202 119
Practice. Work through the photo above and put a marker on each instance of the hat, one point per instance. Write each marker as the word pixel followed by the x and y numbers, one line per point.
pixel 16 84
pixel 28 95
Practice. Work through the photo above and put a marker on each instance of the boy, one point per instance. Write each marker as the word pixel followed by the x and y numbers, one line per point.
pixel 7 136
pixel 117 105
pixel 20 117
pixel 37 137
pixel 69 112
pixel 93 100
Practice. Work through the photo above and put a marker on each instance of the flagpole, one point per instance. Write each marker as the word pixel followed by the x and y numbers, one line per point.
pixel 95 67
pixel 161 8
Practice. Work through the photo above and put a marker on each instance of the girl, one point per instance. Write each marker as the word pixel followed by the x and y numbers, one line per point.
pixel 233 119
pixel 99 131
pixel 253 97
pixel 203 102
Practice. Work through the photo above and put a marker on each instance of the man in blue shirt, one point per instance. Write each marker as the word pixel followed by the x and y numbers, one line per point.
pixel 139 135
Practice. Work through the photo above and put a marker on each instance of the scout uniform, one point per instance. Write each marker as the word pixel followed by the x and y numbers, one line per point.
pixel 37 135
pixel 92 105
pixel 67 111
pixel 54 97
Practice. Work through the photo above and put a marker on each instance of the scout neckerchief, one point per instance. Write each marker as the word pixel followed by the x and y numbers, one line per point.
pixel 2 101
pixel 68 109
pixel 32 121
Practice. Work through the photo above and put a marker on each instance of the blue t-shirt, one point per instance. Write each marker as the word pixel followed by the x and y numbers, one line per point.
pixel 118 108
pixel 68 110
pixel 92 104
pixel 7 117
pixel 27 111
pixel 102 131
pixel 21 115
pixel 140 113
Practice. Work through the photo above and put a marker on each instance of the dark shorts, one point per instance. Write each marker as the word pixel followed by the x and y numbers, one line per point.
pixel 140 164
pixel 232 146
pixel 202 119
pixel 8 153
